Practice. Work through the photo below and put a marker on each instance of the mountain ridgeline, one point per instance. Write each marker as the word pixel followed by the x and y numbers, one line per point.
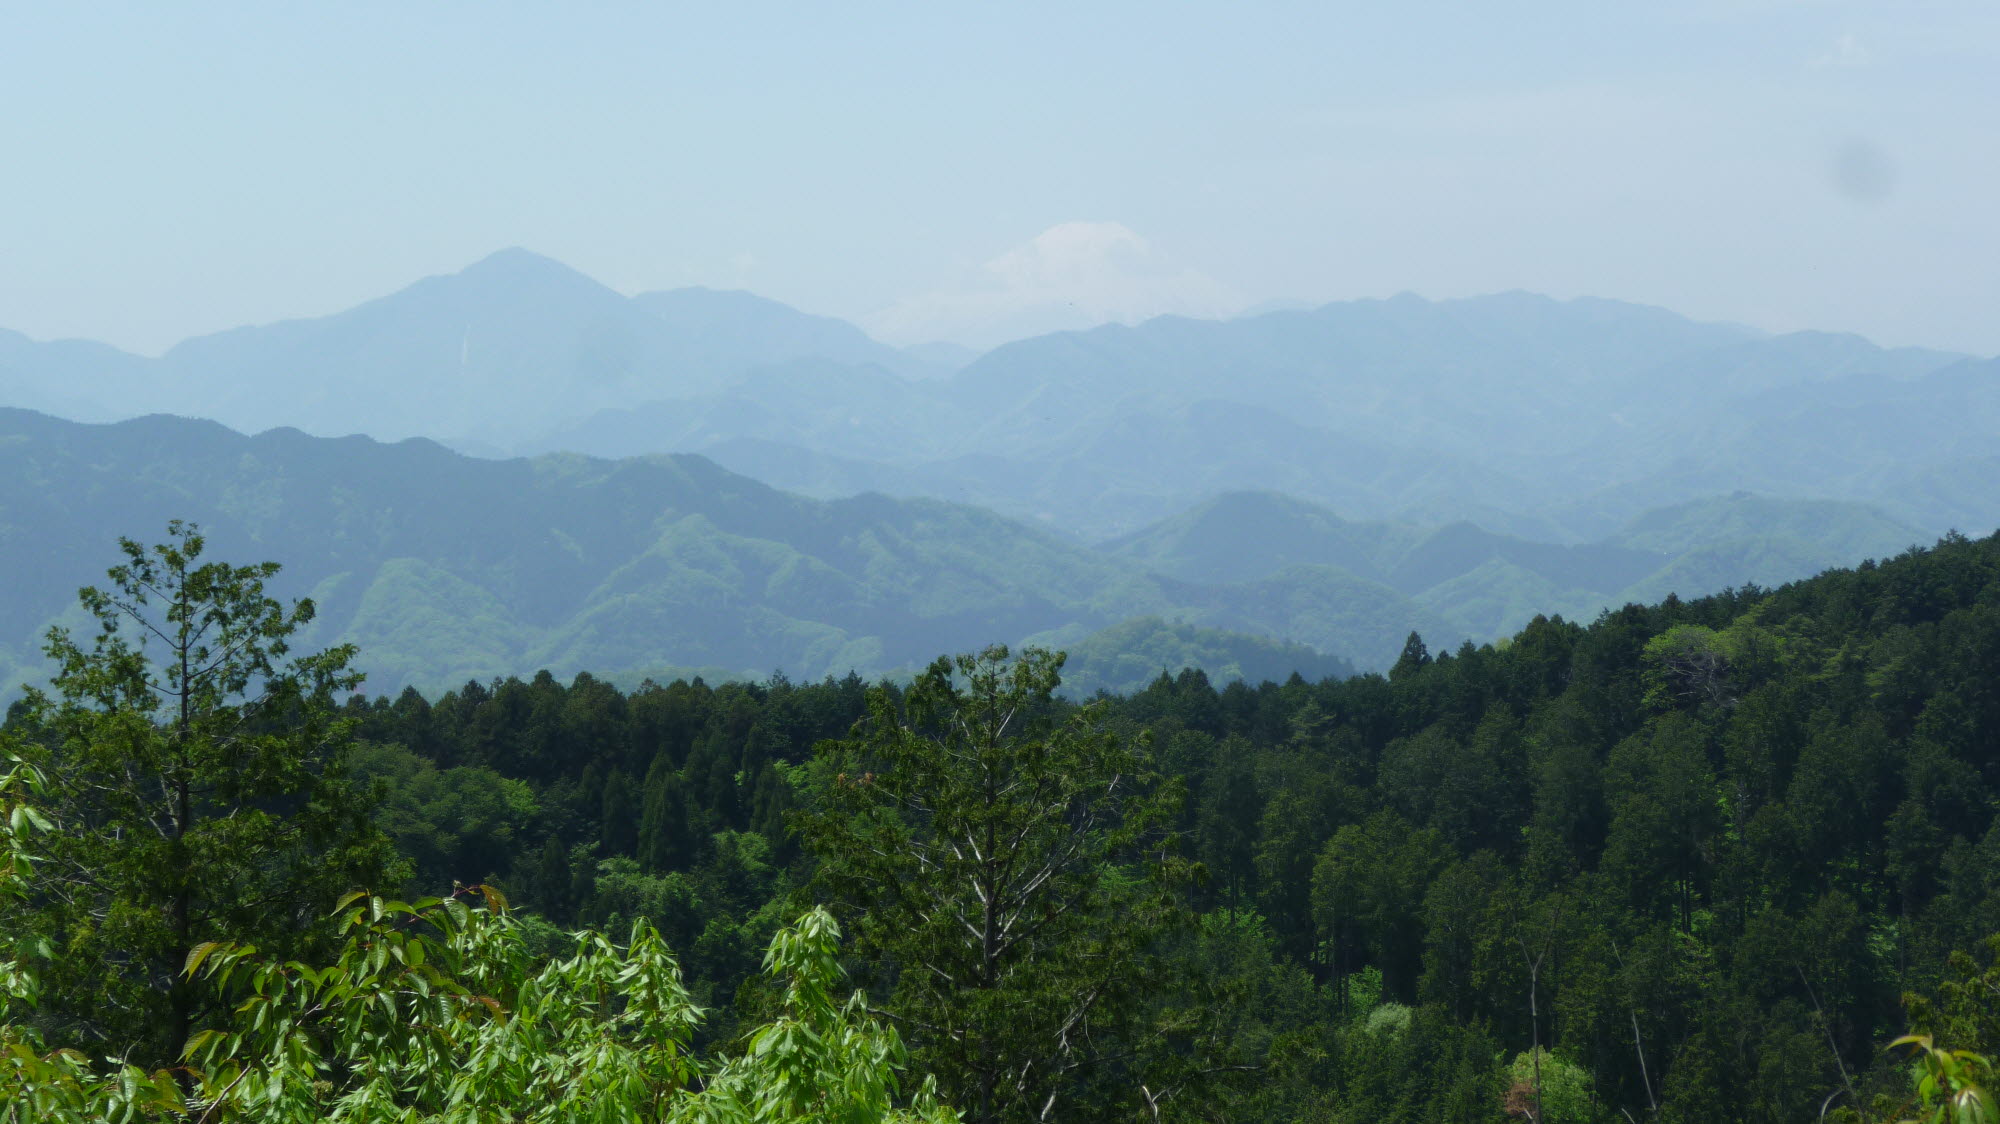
pixel 1549 420
pixel 444 567
pixel 488 355
pixel 1304 486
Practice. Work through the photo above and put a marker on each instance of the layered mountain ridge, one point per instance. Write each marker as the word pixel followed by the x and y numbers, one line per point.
pixel 443 567
pixel 1556 420
pixel 1319 480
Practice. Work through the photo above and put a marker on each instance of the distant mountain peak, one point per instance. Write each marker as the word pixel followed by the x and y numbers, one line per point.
pixel 515 268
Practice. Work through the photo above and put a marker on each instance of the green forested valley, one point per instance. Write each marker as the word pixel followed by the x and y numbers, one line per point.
pixel 1699 860
pixel 443 567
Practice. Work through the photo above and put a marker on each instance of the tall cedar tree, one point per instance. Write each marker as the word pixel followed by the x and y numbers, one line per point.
pixel 1003 860
pixel 197 774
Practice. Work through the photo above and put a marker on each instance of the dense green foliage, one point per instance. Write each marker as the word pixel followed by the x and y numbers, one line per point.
pixel 440 1011
pixel 184 794
pixel 1741 827
pixel 198 775
pixel 1006 867
pixel 1681 864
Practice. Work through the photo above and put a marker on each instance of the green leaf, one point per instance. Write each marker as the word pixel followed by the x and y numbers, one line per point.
pixel 197 954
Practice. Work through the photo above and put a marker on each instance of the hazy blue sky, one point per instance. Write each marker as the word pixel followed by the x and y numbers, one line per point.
pixel 970 171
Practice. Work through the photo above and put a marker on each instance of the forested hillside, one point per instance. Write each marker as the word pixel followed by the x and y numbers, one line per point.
pixel 444 567
pixel 1698 851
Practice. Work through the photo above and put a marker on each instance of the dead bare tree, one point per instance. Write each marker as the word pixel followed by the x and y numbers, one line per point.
pixel 1533 960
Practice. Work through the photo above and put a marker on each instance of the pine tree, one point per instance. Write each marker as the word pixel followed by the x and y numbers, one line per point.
pixel 618 825
pixel 665 842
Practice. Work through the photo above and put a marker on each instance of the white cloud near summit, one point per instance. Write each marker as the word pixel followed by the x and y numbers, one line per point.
pixel 1072 275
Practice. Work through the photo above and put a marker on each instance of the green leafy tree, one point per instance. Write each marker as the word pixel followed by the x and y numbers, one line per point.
pixel 1004 858
pixel 38 1084
pixel 198 773
pixel 1547 1089
pixel 440 1011
pixel 1952 1086
pixel 1228 822
pixel 462 824
pixel 1309 798
pixel 1690 665
pixel 1368 890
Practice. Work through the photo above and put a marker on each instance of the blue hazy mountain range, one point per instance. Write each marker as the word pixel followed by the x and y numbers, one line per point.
pixel 1328 477
pixel 492 355
pixel 1557 420
pixel 1547 419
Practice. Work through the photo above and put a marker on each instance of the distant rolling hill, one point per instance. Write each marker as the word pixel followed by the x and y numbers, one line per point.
pixel 444 567
pixel 1486 585
pixel 1556 420
pixel 1125 657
